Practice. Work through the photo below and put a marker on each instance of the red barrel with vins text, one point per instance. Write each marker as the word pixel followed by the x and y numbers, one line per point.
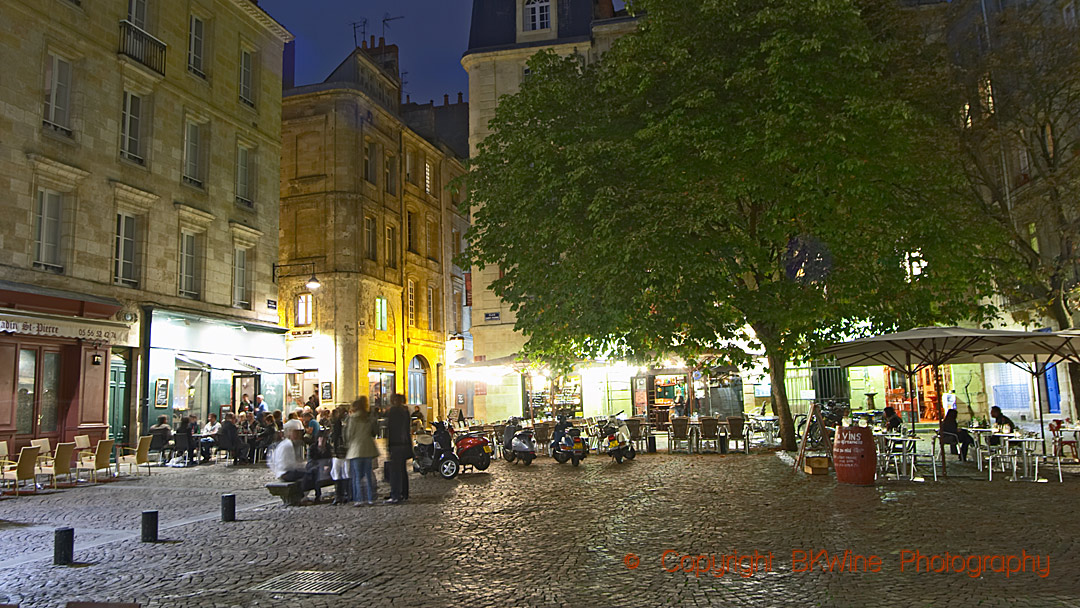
pixel 855 455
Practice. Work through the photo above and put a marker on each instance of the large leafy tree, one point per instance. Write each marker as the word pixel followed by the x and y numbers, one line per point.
pixel 737 170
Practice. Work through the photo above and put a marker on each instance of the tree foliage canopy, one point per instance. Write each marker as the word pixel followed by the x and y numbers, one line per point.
pixel 733 164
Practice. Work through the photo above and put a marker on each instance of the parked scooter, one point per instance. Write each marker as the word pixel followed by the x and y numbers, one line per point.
pixel 518 443
pixel 617 436
pixel 433 453
pixel 473 450
pixel 567 444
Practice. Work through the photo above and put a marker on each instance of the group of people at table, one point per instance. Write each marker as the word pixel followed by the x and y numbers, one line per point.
pixel 953 434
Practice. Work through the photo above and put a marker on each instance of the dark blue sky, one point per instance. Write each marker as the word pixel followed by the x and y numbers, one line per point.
pixel 431 39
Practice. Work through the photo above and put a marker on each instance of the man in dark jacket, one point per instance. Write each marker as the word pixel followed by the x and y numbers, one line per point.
pixel 400 444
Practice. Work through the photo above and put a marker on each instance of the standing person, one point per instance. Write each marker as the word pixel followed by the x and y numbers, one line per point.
pixel 361 451
pixel 339 462
pixel 260 406
pixel 399 439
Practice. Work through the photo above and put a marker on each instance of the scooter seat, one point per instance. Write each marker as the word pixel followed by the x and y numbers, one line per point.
pixel 425 439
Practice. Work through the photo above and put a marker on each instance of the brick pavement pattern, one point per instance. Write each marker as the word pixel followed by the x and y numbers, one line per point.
pixel 545 535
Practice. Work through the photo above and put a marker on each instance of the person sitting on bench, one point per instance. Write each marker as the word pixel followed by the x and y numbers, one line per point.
pixel 287 462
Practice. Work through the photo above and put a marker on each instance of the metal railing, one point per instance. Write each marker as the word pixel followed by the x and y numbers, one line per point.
pixel 142 47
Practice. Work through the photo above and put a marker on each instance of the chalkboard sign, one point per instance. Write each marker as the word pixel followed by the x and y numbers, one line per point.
pixel 327 391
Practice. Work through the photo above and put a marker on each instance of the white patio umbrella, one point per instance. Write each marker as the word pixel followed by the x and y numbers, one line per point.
pixel 915 349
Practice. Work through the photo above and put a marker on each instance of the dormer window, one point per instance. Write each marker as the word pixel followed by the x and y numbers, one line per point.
pixel 537 15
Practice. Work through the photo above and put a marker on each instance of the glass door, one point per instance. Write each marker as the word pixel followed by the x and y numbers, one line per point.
pixel 380 387
pixel 37 410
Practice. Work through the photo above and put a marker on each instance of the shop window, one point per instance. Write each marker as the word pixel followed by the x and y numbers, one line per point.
pixel 303 310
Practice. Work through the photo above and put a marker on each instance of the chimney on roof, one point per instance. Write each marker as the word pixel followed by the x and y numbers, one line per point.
pixel 373 41
pixel 407 98
pixel 603 9
pixel 446 99
pixel 459 97
pixel 431 102
pixel 363 44
pixel 382 41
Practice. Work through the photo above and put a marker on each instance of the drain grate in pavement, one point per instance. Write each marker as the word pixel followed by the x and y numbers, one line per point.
pixel 311 581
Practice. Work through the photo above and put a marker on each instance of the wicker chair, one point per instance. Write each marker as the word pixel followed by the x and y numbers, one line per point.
pixel 61 463
pixel 710 431
pixel 138 457
pixel 737 432
pixel 679 432
pixel 101 459
pixel 24 469
pixel 542 435
pixel 637 435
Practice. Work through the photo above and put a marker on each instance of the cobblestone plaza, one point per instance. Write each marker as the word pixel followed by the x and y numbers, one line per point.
pixel 663 530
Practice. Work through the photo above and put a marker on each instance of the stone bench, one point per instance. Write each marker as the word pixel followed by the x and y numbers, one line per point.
pixel 290 492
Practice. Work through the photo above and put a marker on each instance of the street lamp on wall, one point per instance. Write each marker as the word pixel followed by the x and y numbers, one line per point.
pixel 312 283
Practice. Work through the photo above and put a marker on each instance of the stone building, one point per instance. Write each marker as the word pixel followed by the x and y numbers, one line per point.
pixel 503 36
pixel 366 208
pixel 138 164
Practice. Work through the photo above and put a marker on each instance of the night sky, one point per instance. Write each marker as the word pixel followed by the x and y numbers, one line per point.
pixel 431 39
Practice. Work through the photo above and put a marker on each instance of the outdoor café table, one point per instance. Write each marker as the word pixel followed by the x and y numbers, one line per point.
pixel 769 424
pixel 906 447
pixel 1026 447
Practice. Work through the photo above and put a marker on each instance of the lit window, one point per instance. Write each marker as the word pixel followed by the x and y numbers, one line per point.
pixel 537 15
pixel 427 177
pixel 381 314
pixel 47 231
pixel 303 310
pixel 58 95
pixel 125 272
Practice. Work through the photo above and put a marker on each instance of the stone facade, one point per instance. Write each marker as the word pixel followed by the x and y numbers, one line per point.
pixel 365 205
pixel 499 49
pixel 95 109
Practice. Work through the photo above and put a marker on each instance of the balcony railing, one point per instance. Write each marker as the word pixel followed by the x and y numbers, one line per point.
pixel 142 47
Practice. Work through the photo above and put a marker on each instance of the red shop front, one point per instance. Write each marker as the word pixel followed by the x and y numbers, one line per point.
pixel 54 364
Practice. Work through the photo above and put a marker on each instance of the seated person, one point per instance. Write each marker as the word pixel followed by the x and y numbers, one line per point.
pixel 287 463
pixel 893 422
pixel 1002 424
pixel 229 439
pixel 952 433
pixel 162 428
pixel 209 440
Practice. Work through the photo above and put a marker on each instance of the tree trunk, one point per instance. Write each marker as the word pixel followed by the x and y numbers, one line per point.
pixel 777 372
pixel 1060 313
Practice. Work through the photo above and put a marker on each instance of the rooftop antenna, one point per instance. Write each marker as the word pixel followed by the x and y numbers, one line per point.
pixel 386 19
pixel 362 26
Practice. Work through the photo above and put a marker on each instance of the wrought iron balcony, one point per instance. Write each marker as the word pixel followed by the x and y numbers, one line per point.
pixel 142 47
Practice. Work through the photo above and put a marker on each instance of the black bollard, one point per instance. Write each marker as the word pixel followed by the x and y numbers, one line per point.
pixel 64 546
pixel 149 526
pixel 228 507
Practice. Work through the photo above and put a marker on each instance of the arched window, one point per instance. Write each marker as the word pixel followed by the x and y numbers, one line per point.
pixel 417 394
pixel 537 15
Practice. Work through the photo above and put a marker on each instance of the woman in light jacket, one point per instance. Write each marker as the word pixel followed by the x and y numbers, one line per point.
pixel 360 438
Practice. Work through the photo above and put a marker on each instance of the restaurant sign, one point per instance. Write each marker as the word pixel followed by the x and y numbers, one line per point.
pixel 64 328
